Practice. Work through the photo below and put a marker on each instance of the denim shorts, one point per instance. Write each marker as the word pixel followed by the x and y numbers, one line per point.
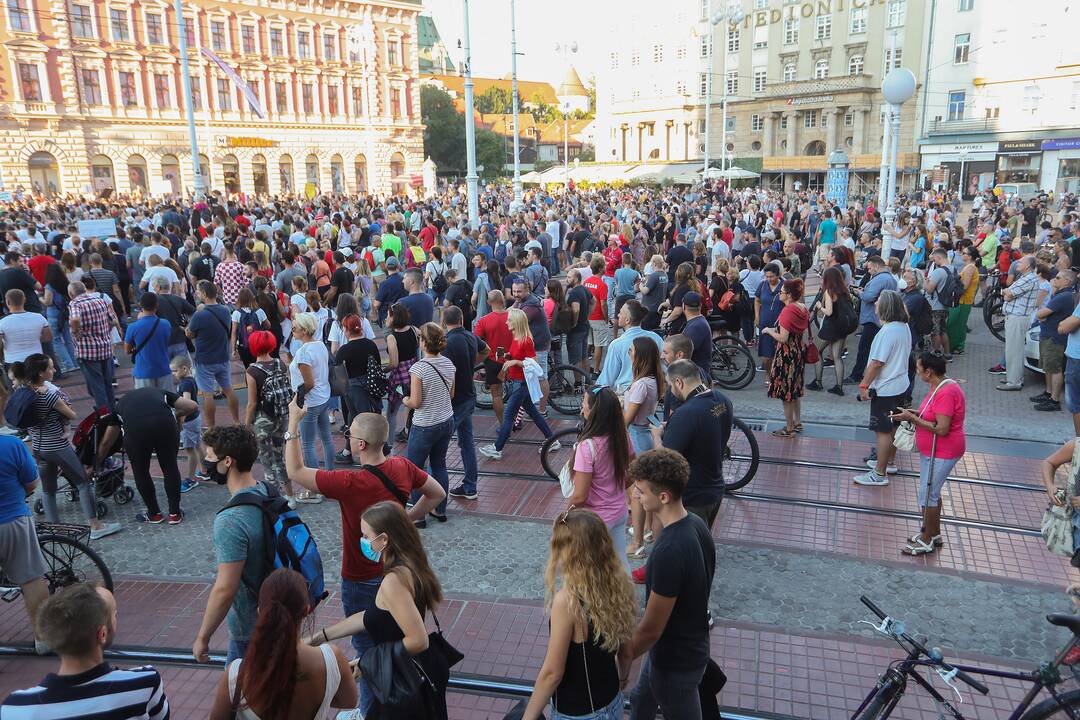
pixel 542 360
pixel 210 377
pixel 577 347
pixel 191 434
pixel 612 711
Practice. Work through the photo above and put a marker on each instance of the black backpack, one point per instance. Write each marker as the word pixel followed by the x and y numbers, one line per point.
pixel 440 283
pixel 463 301
pixel 21 410
pixel 951 290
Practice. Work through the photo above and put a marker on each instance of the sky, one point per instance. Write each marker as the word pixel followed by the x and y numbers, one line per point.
pixel 540 25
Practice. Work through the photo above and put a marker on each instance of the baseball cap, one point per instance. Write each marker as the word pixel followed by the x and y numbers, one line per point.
pixel 692 299
pixel 391 262
pixel 346 251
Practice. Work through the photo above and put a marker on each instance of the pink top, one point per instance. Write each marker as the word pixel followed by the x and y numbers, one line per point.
pixel 607 496
pixel 949 401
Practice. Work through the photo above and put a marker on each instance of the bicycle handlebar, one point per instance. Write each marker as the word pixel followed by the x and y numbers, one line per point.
pixel 960 674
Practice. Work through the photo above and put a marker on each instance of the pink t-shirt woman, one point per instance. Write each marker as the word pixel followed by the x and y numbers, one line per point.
pixel 948 401
pixel 607 494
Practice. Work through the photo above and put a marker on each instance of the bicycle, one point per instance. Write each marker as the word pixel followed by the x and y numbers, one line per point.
pixel 69 559
pixel 732 365
pixel 892 684
pixel 566 383
pixel 993 306
pixel 740 463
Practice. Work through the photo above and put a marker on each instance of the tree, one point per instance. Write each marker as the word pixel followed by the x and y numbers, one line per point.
pixel 495 100
pixel 490 152
pixel 587 154
pixel 444 129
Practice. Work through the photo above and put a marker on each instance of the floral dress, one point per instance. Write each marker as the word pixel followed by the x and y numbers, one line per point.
pixel 786 376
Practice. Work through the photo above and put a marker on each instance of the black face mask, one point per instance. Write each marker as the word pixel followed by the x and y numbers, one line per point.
pixel 210 466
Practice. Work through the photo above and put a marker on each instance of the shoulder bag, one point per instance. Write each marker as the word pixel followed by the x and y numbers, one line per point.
pixel 566 475
pixel 904 439
pixel 1056 526
pixel 149 335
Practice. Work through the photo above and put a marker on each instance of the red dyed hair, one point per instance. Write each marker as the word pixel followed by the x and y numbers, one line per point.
pixel 261 342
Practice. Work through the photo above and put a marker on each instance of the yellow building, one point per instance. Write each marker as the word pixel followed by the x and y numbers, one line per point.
pixel 91 96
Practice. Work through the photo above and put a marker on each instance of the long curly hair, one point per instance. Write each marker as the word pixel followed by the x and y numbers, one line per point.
pixel 583 556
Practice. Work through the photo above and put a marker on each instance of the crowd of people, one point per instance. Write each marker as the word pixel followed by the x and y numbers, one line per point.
pixel 342 311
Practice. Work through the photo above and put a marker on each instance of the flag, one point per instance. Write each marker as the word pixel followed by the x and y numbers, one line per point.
pixel 238 81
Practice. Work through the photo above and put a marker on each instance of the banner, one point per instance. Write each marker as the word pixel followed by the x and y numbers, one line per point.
pixel 249 94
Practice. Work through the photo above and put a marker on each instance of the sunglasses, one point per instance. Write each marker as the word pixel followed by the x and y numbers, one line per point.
pixel 566 514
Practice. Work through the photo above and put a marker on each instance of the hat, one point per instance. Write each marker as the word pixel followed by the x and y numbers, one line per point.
pixel 391 262
pixel 692 299
pixel 346 251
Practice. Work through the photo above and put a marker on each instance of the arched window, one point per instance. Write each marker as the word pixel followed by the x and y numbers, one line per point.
pixel 821 69
pixel 360 169
pixel 44 172
pixel 789 72
pixel 311 170
pixel 170 170
pixel 258 171
pixel 136 165
pixel 337 174
pixel 285 173
pixel 101 173
pixel 815 148
pixel 204 170
pixel 398 181
pixel 855 65
pixel 230 169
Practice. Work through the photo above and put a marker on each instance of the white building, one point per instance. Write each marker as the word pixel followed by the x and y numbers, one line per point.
pixel 1001 95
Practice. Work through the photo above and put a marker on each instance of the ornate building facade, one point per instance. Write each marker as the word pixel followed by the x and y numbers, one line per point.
pixel 91 96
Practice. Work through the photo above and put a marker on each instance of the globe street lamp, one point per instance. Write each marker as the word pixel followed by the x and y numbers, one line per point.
pixel 897 88
pixel 733 15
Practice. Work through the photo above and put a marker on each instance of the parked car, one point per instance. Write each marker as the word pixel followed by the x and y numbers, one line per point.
pixel 1031 351
pixel 1025 191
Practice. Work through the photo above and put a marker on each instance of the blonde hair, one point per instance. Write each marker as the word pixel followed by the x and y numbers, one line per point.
pixel 306 322
pixel 518 322
pixel 601 594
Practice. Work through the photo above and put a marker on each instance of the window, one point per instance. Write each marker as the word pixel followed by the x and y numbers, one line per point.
pixel 732 85
pixel 849 119
pixel 329 47
pixel 823 31
pixel 635 58
pixel 993 112
pixel 733 39
pixel 19 16
pixel 217 34
pixel 303 44
pixel 1074 97
pixel 730 123
pixel 761 4
pixel 277 44
pixel 30 83
pixel 680 87
pixel 680 51
pixel 893 58
pixel 783 122
pixel 961 48
pixel 897 12
pixel 810 119
pixel 155 34
pixel 91 86
pixel 966 5
pixel 395 102
pixel 858 20
pixel 224 94
pixel 129 96
pixel 824 120
pixel 705 42
pixel 791 31
pixel 821 69
pixel 118 22
pixel 757 123
pixel 789 72
pixel 196 92
pixel 855 65
pixel 82 25
pixel 705 9
pixel 761 37
pixel 703 84
pixel 1032 96
pixel 162 97
pixel 307 98
pixel 956 104
pixel 393 53
pixel 658 54
pixel 331 99
pixel 635 94
pixel 254 85
pixel 760 78
pixel 189 32
pixel 247 38
pixel 357 101
pixel 613 61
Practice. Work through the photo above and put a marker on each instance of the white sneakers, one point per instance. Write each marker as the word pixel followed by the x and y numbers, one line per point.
pixel 872 479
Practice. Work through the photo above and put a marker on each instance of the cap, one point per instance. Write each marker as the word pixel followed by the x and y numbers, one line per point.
pixel 692 299
pixel 346 251
pixel 391 262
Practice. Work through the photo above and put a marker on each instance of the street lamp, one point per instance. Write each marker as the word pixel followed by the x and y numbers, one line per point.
pixel 566 49
pixel 516 204
pixel 960 181
pixel 470 130
pixel 734 15
pixel 197 186
pixel 898 87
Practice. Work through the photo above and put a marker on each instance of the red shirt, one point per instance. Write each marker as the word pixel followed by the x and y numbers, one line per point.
pixel 427 238
pixel 599 289
pixel 613 255
pixel 728 236
pixel 37 265
pixel 519 350
pixel 492 330
pixel 356 491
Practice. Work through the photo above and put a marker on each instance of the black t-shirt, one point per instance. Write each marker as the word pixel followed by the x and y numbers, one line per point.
pixel 169 308
pixel 204 267
pixel 354 355
pixel 343 279
pixel 15 278
pixel 681 566
pixel 143 405
pixel 462 347
pixel 699 430
pixel 1030 215
pixel 700 333
pixel 581 295
pixel 676 256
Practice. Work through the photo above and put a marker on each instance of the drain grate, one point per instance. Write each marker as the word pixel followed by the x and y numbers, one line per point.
pixel 756 425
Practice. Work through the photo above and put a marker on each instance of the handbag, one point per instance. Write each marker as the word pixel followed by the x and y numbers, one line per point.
pixel 811 354
pixel 1056 526
pixel 904 438
pixel 566 475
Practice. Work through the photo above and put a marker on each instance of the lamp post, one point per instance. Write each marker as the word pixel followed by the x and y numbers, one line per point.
pixel 198 189
pixel 470 130
pixel 960 180
pixel 514 90
pixel 566 49
pixel 898 87
pixel 732 15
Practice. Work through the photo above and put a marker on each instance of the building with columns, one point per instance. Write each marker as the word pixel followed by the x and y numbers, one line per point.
pixel 802 78
pixel 91 96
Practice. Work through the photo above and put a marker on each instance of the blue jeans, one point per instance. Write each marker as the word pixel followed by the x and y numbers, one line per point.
pixel 1072 385
pixel 674 693
pixel 358 596
pixel 99 376
pixel 237 648
pixel 519 398
pixel 613 711
pixel 640 438
pixel 428 445
pixel 62 342
pixel 316 425
pixel 463 426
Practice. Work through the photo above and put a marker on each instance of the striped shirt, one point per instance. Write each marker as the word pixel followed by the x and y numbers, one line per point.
pixel 437 377
pixel 51 432
pixel 101 693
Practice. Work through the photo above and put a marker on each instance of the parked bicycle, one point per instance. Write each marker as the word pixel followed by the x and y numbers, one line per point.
pixel 69 559
pixel 993 305
pixel 892 684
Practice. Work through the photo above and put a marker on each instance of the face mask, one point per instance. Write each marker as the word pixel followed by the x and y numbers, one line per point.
pixel 368 551
pixel 210 466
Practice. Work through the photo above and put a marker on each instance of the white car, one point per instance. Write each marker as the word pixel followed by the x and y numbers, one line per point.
pixel 1031 351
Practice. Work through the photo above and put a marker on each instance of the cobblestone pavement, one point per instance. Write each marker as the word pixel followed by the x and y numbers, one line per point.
pixel 801 592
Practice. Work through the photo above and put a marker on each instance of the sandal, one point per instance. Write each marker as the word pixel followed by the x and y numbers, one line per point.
pixel 918 547
pixel 636 554
pixel 798 427
pixel 937 539
pixel 783 433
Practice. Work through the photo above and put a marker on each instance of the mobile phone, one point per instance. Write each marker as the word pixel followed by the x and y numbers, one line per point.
pixel 1075 593
pixel 500 353
pixel 301 392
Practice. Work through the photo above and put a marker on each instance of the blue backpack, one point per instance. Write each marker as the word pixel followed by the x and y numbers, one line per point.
pixel 289 542
pixel 21 409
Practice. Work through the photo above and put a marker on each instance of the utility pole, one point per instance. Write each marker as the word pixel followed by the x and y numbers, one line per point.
pixel 198 190
pixel 470 131
pixel 514 90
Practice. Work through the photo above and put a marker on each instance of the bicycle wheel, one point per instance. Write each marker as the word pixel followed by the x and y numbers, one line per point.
pixel 566 385
pixel 1068 707
pixel 71 561
pixel 994 316
pixel 732 365
pixel 741 456
pixel 553 460
pixel 890 689
pixel 483 394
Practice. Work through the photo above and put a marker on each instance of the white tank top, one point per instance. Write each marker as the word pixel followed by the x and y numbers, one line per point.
pixel 333 679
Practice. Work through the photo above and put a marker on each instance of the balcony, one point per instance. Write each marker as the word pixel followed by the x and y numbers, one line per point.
pixel 825 86
pixel 820 163
pixel 953 127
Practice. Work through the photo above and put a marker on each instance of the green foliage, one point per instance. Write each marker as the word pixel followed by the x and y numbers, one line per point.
pixel 490 153
pixel 444 129
pixel 495 100
pixel 587 154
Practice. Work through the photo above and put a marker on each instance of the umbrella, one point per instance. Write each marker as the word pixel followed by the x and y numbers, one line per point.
pixel 732 173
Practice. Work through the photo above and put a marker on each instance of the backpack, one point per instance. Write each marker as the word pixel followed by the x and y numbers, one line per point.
pixel 374 379
pixel 463 301
pixel 288 540
pixel 951 290
pixel 922 321
pixel 440 283
pixel 275 393
pixel 561 321
pixel 369 256
pixel 249 323
pixel 21 409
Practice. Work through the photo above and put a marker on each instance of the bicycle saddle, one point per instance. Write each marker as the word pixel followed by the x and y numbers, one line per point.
pixel 1066 621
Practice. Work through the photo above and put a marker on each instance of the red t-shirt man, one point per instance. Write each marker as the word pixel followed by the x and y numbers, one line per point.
pixel 599 290
pixel 492 330
pixel 427 237
pixel 356 491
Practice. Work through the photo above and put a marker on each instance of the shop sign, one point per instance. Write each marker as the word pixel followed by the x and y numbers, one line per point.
pixel 244 142
pixel 974 147
pixel 812 99
pixel 1061 144
pixel 1019 146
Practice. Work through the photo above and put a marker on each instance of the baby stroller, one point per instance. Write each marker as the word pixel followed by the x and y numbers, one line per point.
pixel 99 444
